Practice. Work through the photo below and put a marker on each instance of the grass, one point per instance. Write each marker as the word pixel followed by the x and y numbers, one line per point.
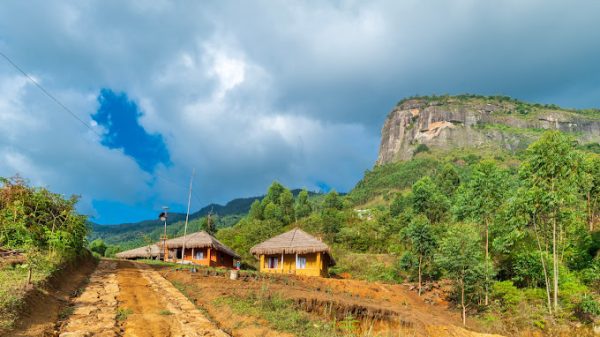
pixel 13 282
pixel 279 312
pixel 123 313
pixel 165 312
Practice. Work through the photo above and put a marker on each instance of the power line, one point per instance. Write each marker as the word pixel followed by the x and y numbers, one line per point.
pixel 37 84
pixel 74 115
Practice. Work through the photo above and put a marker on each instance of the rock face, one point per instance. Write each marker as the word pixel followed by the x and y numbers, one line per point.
pixel 476 122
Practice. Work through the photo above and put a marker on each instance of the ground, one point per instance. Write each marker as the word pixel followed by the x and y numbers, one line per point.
pixel 123 298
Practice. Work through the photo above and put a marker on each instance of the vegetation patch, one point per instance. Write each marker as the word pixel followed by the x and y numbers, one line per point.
pixel 280 313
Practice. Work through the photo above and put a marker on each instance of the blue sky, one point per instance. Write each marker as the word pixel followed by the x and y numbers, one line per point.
pixel 247 93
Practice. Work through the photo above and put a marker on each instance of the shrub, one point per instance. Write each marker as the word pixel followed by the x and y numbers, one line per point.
pixel 421 148
pixel 507 294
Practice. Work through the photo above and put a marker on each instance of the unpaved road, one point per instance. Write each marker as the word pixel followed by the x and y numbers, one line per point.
pixel 130 299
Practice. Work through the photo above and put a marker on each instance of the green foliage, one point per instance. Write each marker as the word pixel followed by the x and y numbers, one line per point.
pixel 429 200
pixel 507 295
pixel 279 312
pixel 420 148
pixel 448 179
pixel 303 206
pixel 394 176
pixel 123 313
pixel 98 246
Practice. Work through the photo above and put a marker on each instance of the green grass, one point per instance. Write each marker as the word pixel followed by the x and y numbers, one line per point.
pixel 123 313
pixel 13 282
pixel 280 313
pixel 165 313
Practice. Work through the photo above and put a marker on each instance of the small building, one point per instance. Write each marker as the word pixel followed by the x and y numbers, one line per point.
pixel 146 252
pixel 201 248
pixel 294 252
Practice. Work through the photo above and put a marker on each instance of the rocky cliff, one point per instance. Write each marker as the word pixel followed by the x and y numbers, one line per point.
pixel 468 121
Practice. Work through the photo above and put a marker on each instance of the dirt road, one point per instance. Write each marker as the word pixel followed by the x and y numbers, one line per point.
pixel 130 299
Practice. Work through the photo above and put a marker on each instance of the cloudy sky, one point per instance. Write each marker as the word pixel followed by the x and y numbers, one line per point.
pixel 251 92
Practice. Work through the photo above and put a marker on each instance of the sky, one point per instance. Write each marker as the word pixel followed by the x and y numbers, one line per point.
pixel 246 93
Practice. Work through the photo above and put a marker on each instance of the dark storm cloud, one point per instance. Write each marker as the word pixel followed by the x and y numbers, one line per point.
pixel 250 92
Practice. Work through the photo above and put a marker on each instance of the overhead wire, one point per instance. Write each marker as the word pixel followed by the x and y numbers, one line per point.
pixel 74 115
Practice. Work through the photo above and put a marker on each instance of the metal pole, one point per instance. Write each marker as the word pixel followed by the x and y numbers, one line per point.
pixel 166 252
pixel 187 216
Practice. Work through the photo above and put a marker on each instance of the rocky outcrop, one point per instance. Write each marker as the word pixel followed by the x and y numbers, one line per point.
pixel 450 122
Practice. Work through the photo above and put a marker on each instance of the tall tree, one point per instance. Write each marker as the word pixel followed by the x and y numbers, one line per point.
pixel 481 199
pixel 422 243
pixel 286 203
pixel 551 173
pixel 303 207
pixel 591 186
pixel 459 255
pixel 448 179
pixel 428 199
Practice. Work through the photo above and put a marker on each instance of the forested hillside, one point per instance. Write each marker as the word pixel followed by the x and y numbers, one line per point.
pixel 126 236
pixel 516 234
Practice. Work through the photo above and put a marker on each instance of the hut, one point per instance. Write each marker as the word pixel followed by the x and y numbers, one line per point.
pixel 201 248
pixel 146 252
pixel 294 252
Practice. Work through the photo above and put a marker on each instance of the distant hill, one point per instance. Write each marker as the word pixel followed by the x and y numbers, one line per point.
pixel 129 235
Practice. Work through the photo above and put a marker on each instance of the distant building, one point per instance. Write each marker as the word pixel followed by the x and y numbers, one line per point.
pixel 295 252
pixel 146 252
pixel 200 248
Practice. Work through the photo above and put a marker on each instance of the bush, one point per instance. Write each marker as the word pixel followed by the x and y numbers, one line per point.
pixel 507 294
pixel 421 148
pixel 587 309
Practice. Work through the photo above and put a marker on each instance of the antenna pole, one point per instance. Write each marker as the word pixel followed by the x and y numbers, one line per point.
pixel 187 216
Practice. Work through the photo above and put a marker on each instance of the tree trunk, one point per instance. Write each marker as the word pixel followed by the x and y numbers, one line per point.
pixel 462 302
pixel 29 274
pixel 537 237
pixel 420 261
pixel 487 253
pixel 555 261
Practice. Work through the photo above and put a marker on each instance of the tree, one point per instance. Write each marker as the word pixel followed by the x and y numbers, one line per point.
pixel 332 201
pixel 550 175
pixel 286 203
pixel 98 246
pixel 481 199
pixel 448 179
pixel 273 212
pixel 428 200
pixel 591 186
pixel 460 257
pixel 303 207
pixel 256 210
pixel 400 203
pixel 273 193
pixel 422 242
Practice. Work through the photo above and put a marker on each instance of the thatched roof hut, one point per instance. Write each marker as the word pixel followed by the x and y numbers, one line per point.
pixel 200 240
pixel 295 241
pixel 150 251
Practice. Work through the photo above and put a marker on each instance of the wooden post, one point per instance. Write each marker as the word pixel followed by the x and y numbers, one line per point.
pixel 208 256
pixel 193 256
pixel 296 267
pixel 282 262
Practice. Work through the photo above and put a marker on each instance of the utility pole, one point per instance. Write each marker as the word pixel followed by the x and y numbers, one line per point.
pixel 187 216
pixel 163 216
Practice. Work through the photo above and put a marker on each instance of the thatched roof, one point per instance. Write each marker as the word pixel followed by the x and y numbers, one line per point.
pixel 200 240
pixel 295 241
pixel 141 252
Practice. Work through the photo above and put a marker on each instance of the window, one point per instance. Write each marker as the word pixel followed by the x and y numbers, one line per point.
pixel 301 262
pixel 200 255
pixel 272 262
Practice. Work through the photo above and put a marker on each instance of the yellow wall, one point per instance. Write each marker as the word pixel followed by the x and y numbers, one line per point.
pixel 314 264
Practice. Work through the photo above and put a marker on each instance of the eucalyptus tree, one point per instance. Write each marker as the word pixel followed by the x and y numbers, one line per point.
pixel 481 199
pixel 422 243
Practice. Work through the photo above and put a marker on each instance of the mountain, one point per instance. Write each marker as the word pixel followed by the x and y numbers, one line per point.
pixel 135 234
pixel 483 123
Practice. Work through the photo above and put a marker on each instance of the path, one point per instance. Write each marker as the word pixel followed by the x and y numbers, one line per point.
pixel 132 300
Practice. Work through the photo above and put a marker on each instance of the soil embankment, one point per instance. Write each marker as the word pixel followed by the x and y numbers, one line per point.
pixel 44 306
pixel 380 308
